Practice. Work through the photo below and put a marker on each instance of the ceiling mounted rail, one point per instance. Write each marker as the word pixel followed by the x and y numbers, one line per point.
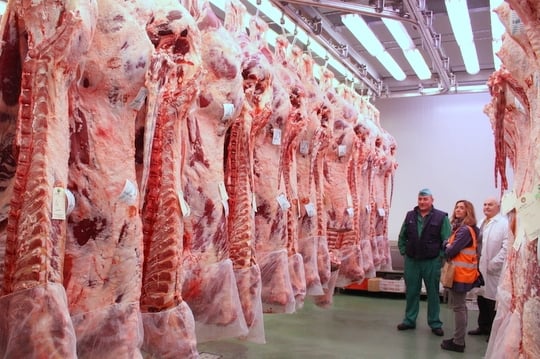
pixel 432 41
pixel 352 7
pixel 410 11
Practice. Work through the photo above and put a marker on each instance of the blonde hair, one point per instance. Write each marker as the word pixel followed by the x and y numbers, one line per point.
pixel 470 217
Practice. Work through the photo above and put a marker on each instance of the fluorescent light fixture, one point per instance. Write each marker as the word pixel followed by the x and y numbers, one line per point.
pixel 458 14
pixel 413 56
pixel 360 29
pixel 399 33
pixel 497 31
pixel 2 7
pixel 473 88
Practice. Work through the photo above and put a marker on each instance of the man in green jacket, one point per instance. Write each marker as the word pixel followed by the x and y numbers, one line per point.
pixel 420 241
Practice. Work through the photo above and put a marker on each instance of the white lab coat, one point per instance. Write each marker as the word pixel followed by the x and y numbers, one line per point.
pixel 493 255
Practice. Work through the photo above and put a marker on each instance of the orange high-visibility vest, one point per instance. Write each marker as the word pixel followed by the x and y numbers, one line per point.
pixel 466 261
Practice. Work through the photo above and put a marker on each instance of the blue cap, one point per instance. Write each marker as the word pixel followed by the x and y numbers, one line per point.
pixel 425 192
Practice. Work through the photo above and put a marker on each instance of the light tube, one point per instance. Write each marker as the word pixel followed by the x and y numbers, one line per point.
pixel 413 56
pixel 392 66
pixel 2 8
pixel 360 29
pixel 399 32
pixel 458 14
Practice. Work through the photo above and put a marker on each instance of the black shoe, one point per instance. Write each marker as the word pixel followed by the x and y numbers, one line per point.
pixel 477 331
pixel 403 326
pixel 449 344
pixel 437 331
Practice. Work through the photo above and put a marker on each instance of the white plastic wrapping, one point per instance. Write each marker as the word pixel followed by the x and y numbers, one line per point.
pixel 250 287
pixel 307 247
pixel 170 334
pixel 277 292
pixel 298 279
pixel 35 324
pixel 211 292
pixel 114 331
pixel 352 268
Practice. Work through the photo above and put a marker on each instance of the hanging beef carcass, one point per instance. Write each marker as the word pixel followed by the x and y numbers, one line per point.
pixel 514 113
pixel 309 158
pixel 383 168
pixel 42 43
pixel 210 287
pixel 239 144
pixel 360 185
pixel 104 250
pixel 294 127
pixel 172 83
pixel 272 215
pixel 338 198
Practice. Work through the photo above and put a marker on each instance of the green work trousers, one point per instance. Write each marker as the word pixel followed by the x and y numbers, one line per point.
pixel 428 270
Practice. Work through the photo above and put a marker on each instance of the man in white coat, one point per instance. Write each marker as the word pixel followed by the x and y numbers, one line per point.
pixel 494 238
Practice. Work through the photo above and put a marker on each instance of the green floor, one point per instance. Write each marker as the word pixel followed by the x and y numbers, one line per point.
pixel 357 326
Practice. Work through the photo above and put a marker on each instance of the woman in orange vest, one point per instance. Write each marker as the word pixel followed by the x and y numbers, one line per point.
pixel 461 249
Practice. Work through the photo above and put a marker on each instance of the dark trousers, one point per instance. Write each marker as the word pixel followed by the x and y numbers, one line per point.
pixel 486 313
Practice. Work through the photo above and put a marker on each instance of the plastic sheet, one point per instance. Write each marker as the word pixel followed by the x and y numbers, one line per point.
pixel 298 279
pixel 277 292
pixel 367 259
pixel 170 334
pixel 35 324
pixel 352 268
pixel 323 261
pixel 250 287
pixel 307 247
pixel 327 299
pixel 115 331
pixel 211 292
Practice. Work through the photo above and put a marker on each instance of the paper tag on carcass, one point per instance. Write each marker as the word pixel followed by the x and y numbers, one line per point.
pixel 519 105
pixel 70 201
pixel 58 203
pixel 381 212
pixel 276 136
pixel 228 111
pixel 184 206
pixel 304 147
pixel 129 193
pixel 254 202
pixel 283 202
pixel 225 207
pixel 349 200
pixel 350 211
pixel 342 150
pixel 516 25
pixel 368 208
pixel 310 209
pixel 223 191
pixel 138 101
pixel 508 201
pixel 528 210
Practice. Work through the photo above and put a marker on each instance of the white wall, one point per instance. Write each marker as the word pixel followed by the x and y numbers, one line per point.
pixel 445 143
